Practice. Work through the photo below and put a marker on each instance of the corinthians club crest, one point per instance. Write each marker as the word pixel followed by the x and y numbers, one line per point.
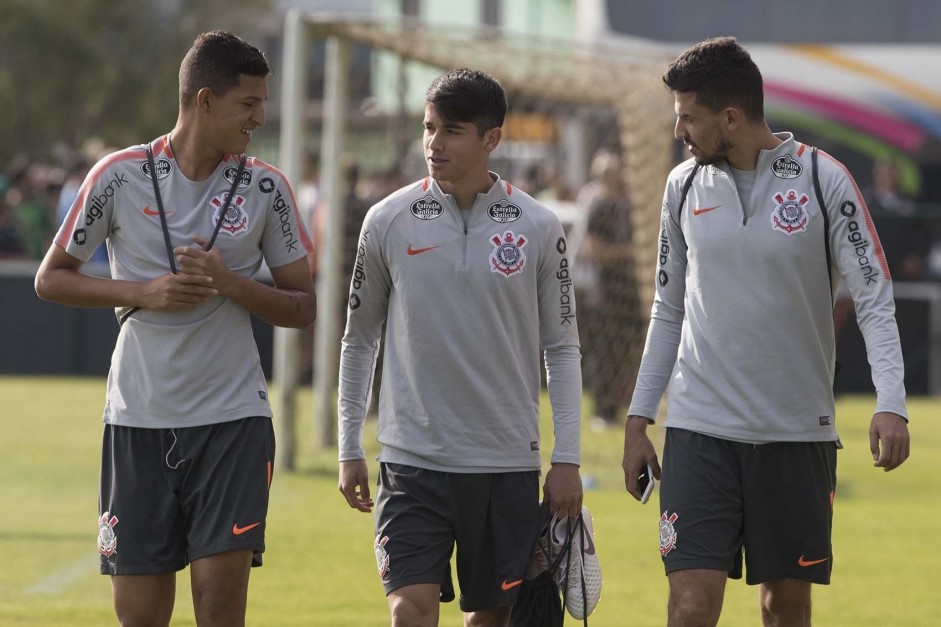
pixel 507 257
pixel 667 533
pixel 790 216
pixel 382 556
pixel 235 220
pixel 107 540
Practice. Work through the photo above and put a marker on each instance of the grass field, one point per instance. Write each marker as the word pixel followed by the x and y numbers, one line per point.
pixel 320 568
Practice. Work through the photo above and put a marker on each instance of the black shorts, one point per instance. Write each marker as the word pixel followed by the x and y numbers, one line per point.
pixel 421 514
pixel 774 501
pixel 168 497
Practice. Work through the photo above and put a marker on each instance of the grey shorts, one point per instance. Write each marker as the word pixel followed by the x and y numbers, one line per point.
pixel 168 497
pixel 773 501
pixel 421 514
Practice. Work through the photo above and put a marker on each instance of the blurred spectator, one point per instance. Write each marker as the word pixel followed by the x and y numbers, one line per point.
pixel 355 206
pixel 552 187
pixel 29 202
pixel 611 327
pixel 10 244
pixel 308 191
pixel 905 238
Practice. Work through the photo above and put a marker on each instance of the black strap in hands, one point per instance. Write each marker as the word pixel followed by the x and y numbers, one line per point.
pixel 163 216
pixel 824 212
pixel 573 525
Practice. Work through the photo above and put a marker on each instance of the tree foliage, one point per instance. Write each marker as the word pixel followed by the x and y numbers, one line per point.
pixel 71 70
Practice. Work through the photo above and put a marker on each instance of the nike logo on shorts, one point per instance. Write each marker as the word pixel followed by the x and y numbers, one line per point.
pixel 509 585
pixel 804 563
pixel 236 530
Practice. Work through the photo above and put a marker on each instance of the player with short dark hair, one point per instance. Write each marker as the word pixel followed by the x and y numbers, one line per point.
pixel 472 279
pixel 188 445
pixel 757 232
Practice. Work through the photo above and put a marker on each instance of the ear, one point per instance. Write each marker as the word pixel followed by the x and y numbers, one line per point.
pixel 204 99
pixel 733 118
pixel 492 139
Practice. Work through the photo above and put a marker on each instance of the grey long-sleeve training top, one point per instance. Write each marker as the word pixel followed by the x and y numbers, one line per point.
pixel 742 322
pixel 468 311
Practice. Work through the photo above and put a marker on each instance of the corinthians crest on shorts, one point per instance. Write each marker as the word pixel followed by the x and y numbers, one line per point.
pixel 508 257
pixel 236 220
pixel 107 540
pixel 382 556
pixel 667 533
pixel 790 216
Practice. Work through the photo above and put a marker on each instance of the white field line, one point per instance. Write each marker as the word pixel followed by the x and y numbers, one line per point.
pixel 57 581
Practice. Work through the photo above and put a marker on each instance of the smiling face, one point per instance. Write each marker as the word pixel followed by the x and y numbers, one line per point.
pixel 701 129
pixel 234 115
pixel 456 153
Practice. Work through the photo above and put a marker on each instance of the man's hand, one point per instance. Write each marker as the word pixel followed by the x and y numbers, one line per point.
pixel 563 490
pixel 638 451
pixel 354 484
pixel 175 292
pixel 196 261
pixel 891 430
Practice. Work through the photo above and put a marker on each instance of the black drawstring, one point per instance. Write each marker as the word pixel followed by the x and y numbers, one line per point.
pixel 163 216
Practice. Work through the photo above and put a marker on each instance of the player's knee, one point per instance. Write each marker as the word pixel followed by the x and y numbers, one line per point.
pixel 785 602
pixel 132 615
pixel 693 607
pixel 497 617
pixel 408 611
pixel 217 609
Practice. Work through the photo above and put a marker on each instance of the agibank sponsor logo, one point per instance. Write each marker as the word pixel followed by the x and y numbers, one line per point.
pixel 97 202
pixel 283 208
pixel 663 255
pixel 359 271
pixel 861 246
pixel 566 309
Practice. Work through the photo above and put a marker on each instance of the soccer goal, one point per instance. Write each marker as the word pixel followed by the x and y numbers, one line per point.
pixel 624 78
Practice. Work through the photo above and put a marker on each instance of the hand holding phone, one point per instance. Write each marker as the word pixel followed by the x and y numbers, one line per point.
pixel 645 483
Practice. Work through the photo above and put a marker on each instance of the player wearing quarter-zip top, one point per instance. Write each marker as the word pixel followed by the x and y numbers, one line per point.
pixel 471 277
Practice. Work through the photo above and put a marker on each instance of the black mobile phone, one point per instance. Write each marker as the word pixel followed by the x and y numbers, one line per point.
pixel 645 483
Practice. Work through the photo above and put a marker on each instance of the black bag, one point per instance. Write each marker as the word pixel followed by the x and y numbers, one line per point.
pixel 538 603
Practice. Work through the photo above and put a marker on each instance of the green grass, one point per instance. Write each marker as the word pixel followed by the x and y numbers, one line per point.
pixel 320 568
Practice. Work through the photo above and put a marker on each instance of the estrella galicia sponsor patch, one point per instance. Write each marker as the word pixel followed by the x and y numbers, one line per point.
pixel 713 170
pixel 786 167
pixel 789 215
pixel 266 185
pixel 426 208
pixel 244 180
pixel 162 166
pixel 504 211
pixel 235 220
pixel 508 257
pixel 668 534
pixel 107 538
